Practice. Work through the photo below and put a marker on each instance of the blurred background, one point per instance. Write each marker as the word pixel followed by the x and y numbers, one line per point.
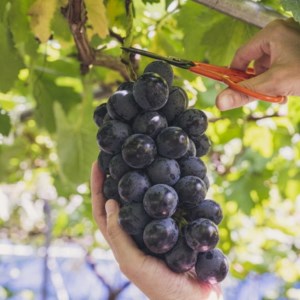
pixel 60 59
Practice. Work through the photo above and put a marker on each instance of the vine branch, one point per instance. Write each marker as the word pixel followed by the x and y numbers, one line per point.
pixel 75 13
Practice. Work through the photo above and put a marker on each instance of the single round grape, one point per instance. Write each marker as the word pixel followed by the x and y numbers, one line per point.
pixel 160 236
pixel 150 91
pixel 139 150
pixel 127 86
pixel 191 150
pixel 133 186
pixel 103 161
pixel 110 189
pixel 150 123
pixel 201 234
pixel 162 68
pixel 202 144
pixel 160 201
pixel 176 104
pixel 118 167
pixel 172 142
pixel 181 258
pixel 133 218
pixel 99 114
pixel 193 166
pixel 191 191
pixel 112 136
pixel 212 266
pixel 192 121
pixel 164 170
pixel 208 209
pixel 122 106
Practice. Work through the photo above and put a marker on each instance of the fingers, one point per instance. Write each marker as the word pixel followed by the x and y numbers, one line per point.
pixel 98 200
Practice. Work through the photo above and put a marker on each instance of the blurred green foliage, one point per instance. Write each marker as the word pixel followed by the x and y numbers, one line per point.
pixel 48 138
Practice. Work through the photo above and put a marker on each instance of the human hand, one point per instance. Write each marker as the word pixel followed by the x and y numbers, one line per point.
pixel 148 273
pixel 275 51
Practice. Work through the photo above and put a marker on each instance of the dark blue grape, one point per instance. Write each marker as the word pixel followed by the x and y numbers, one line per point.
pixel 99 114
pixel 160 236
pixel 139 150
pixel 172 142
pixel 191 191
pixel 193 166
pixel 212 266
pixel 118 167
pixel 176 104
pixel 206 182
pixel 163 69
pixel 127 86
pixel 201 235
pixel 164 170
pixel 103 161
pixel 150 123
pixel 208 209
pixel 133 186
pixel 192 121
pixel 181 258
pixel 150 91
pixel 110 189
pixel 191 150
pixel 160 201
pixel 202 144
pixel 122 106
pixel 133 218
pixel 112 135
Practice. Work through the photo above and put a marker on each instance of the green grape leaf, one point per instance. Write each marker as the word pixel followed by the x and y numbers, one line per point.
pixel 96 13
pixel 5 124
pixel 41 13
pixel 293 6
pixel 116 13
pixel 76 142
pixel 10 60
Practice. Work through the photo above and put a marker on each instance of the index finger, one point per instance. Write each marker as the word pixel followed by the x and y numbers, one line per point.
pixel 98 199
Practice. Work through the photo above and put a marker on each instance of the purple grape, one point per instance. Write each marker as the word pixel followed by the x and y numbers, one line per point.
pixel 139 150
pixel 133 218
pixel 201 235
pixel 193 166
pixel 99 114
pixel 202 144
pixel 161 68
pixel 118 167
pixel 212 266
pixel 127 86
pixel 206 182
pixel 103 161
pixel 193 122
pixel 150 123
pixel 112 136
pixel 191 150
pixel 191 191
pixel 122 106
pixel 172 142
pixel 181 258
pixel 208 209
pixel 164 170
pixel 160 201
pixel 133 186
pixel 176 104
pixel 110 189
pixel 150 91
pixel 160 236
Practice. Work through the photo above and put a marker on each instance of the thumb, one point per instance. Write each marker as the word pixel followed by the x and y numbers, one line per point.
pixel 265 83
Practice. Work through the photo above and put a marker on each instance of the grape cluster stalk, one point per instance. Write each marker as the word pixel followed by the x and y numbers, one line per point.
pixel 150 147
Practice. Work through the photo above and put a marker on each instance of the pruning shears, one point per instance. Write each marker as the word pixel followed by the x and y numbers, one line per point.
pixel 229 76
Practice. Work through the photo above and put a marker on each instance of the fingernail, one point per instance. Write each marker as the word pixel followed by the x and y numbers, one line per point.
pixel 225 103
pixel 110 207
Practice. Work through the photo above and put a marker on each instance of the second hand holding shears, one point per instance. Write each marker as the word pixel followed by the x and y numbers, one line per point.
pixel 229 76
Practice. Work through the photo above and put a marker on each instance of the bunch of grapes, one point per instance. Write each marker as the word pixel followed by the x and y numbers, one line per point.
pixel 151 144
